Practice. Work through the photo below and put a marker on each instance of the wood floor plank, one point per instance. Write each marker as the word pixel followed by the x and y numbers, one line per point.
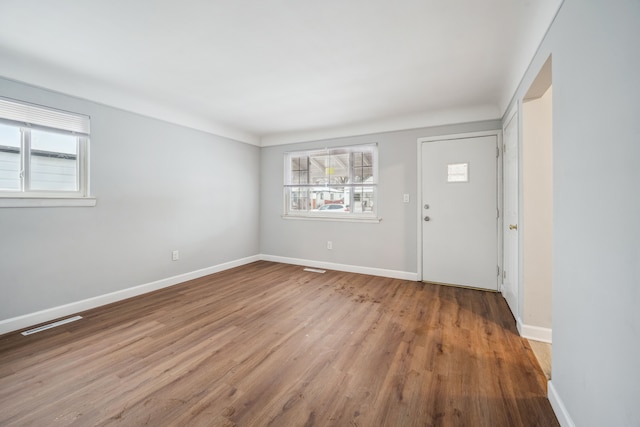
pixel 269 344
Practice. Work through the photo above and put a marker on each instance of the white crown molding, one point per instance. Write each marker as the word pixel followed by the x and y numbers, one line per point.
pixel 523 67
pixel 401 123
pixel 44 76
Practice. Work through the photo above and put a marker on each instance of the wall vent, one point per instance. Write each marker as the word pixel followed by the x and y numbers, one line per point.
pixel 314 270
pixel 51 325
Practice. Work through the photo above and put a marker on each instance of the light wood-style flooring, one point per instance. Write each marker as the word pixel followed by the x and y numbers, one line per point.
pixel 269 344
pixel 542 351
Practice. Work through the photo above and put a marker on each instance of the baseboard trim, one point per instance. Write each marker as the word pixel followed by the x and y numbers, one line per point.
pixel 28 320
pixel 558 406
pixel 394 274
pixel 47 315
pixel 535 333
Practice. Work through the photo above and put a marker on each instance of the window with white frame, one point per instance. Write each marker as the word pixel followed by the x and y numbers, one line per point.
pixel 332 183
pixel 43 152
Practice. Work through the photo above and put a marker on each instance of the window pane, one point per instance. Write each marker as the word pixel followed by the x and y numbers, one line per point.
pixel 317 169
pixel 299 173
pixel 339 168
pixel 299 177
pixel 299 163
pixel 367 174
pixel 330 168
pixel 363 167
pixel 9 157
pixel 357 159
pixel 54 161
pixel 330 199
pixel 298 199
pixel 363 198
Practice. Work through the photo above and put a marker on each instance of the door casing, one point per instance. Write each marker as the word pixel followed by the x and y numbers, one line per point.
pixel 511 249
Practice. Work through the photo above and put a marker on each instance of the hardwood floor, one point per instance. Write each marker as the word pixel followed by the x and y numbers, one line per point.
pixel 272 345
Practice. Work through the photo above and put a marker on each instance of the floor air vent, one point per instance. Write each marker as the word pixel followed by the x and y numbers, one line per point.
pixel 51 325
pixel 314 270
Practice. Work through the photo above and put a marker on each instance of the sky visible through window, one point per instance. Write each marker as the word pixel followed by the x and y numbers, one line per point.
pixel 9 136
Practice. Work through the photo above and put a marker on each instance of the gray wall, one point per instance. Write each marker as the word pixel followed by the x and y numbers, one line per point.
pixel 596 206
pixel 159 187
pixel 208 208
pixel 390 244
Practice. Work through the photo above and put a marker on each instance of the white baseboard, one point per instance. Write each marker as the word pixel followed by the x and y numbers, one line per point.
pixel 535 333
pixel 31 319
pixel 558 407
pixel 394 274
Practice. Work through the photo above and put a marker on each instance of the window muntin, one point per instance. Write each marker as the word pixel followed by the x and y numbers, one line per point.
pixel 337 182
pixel 43 152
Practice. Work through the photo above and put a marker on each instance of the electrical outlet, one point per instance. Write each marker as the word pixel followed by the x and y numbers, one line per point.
pixel 329 245
pixel 175 255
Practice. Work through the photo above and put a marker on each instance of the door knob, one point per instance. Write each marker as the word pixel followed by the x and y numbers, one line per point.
pixel 426 218
pixel 513 226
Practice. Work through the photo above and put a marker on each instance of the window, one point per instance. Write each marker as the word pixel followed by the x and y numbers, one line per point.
pixel 338 183
pixel 43 154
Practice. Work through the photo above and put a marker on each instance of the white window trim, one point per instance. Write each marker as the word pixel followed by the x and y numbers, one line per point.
pixel 332 217
pixel 46 202
pixel 28 116
pixel 316 216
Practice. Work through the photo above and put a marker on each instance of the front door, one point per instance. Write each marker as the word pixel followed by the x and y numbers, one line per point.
pixel 459 212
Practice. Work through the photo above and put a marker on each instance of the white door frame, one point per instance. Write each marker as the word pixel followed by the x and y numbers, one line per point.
pixel 514 112
pixel 420 222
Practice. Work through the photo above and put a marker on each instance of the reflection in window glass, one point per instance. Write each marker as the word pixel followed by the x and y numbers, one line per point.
pixel 9 158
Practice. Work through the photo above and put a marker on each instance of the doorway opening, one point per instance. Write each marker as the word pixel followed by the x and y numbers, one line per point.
pixel 537 215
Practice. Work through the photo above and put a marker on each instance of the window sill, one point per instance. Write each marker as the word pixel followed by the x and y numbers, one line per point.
pixel 46 202
pixel 332 218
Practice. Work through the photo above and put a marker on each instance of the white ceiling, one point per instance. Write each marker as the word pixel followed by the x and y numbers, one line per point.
pixel 276 71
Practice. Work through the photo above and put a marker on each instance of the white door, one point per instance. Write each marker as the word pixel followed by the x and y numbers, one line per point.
pixel 511 272
pixel 459 212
